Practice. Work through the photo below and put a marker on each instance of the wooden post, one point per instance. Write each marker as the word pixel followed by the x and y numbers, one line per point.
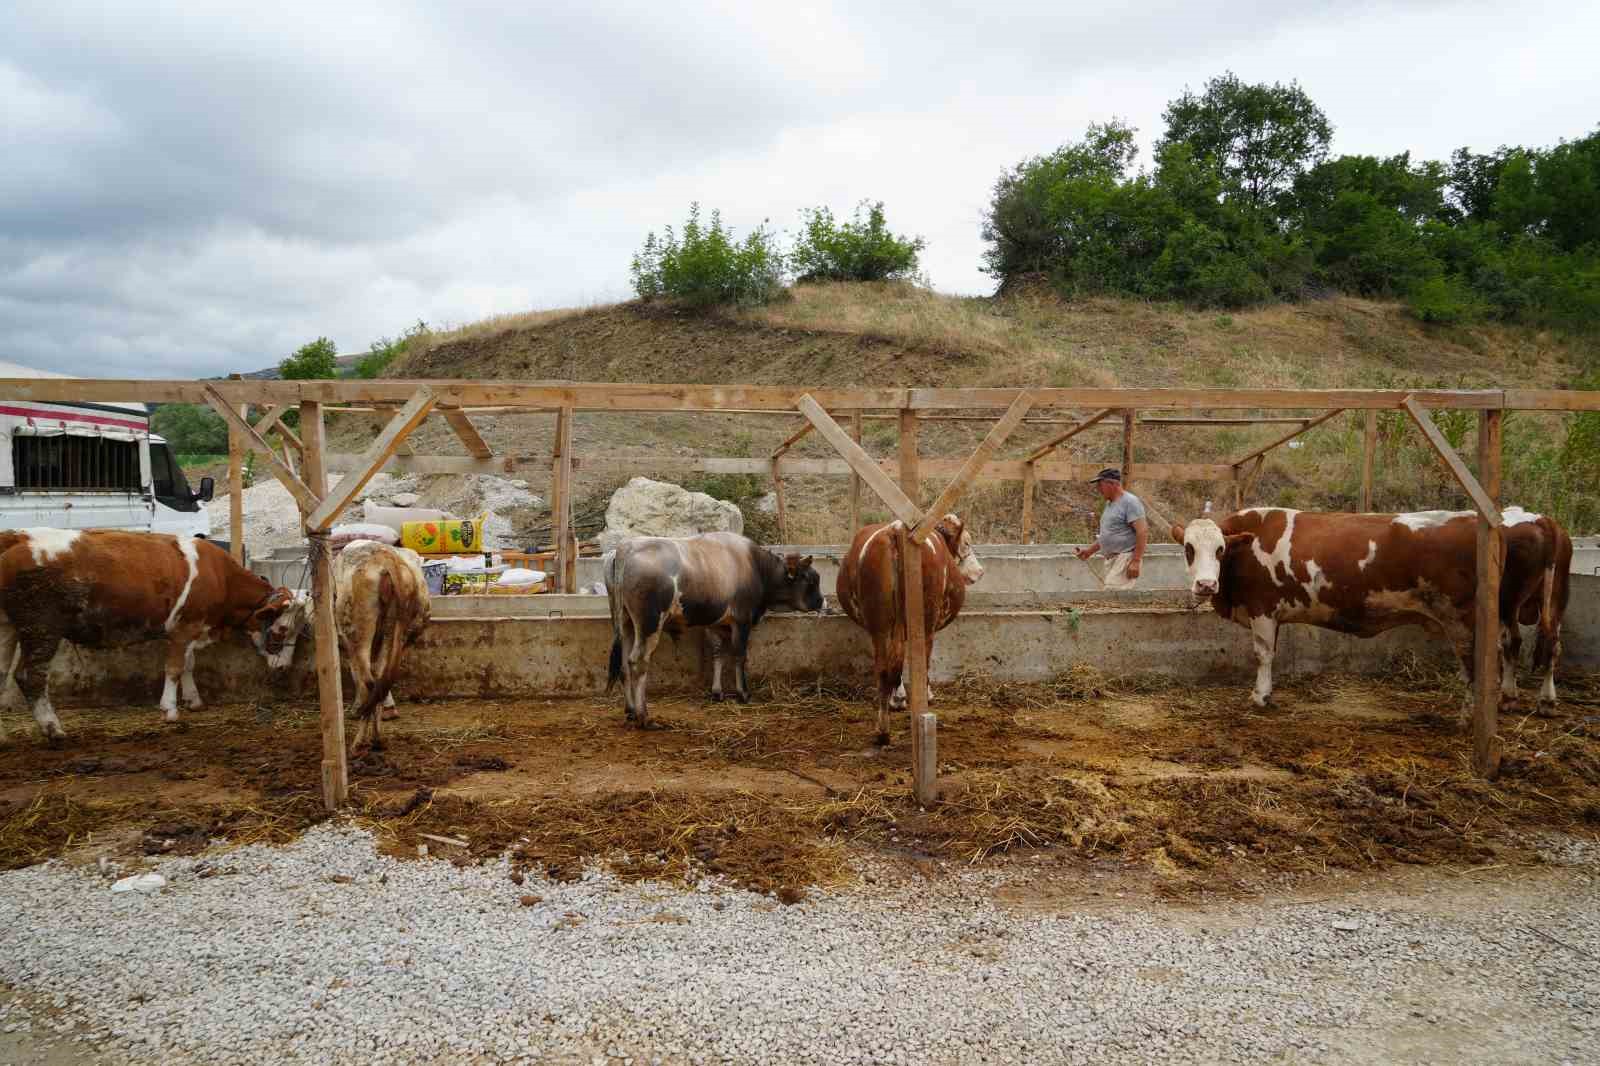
pixel 1129 416
pixel 1369 451
pixel 923 782
pixel 236 495
pixel 1030 481
pixel 330 686
pixel 377 455
pixel 1486 747
pixel 855 482
pixel 925 772
pixel 910 473
pixel 952 493
pixel 561 499
pixel 783 515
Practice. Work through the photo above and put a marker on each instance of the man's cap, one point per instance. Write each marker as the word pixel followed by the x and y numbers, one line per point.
pixel 1110 473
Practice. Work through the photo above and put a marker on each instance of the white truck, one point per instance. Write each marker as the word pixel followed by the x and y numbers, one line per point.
pixel 91 466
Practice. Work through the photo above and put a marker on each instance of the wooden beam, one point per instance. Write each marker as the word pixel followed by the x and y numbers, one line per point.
pixel 1486 745
pixel 628 397
pixel 910 465
pixel 468 434
pixel 1055 442
pixel 247 434
pixel 1310 425
pixel 793 439
pixel 561 497
pixel 330 686
pixel 1128 417
pixel 855 480
pixel 777 490
pixel 538 466
pixel 1487 508
pixel 384 415
pixel 970 469
pixel 1030 482
pixel 1369 452
pixel 372 460
pixel 915 671
pixel 860 462
pixel 236 489
pixel 1249 485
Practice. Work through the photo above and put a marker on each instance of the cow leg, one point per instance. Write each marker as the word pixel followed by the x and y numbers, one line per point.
pixel 891 692
pixel 177 656
pixel 191 692
pixel 741 661
pixel 714 642
pixel 1547 646
pixel 1264 639
pixel 644 646
pixel 37 650
pixel 11 655
pixel 1510 657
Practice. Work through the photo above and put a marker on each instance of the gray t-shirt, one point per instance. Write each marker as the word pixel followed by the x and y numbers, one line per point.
pixel 1116 524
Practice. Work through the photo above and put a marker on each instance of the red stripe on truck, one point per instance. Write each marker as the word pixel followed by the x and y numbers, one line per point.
pixel 62 416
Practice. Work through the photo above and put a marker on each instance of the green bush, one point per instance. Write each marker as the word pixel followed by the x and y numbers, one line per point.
pixel 316 361
pixel 1440 300
pixel 705 266
pixel 857 250
pixel 192 429
pixel 384 351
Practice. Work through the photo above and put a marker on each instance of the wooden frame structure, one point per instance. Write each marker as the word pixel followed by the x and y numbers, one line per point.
pixel 405 405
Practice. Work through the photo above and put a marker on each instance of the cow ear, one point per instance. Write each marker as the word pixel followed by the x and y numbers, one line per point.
pixel 1237 541
pixel 1175 531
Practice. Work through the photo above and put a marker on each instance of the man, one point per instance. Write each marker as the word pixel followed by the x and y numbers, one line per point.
pixel 1124 533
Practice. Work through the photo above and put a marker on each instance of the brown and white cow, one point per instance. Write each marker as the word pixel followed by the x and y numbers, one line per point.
pixel 723 582
pixel 1367 573
pixel 106 589
pixel 869 592
pixel 381 605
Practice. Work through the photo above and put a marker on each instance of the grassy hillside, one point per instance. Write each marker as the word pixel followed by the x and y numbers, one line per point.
pixel 895 334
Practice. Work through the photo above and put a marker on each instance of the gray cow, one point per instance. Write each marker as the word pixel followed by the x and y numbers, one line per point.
pixel 720 581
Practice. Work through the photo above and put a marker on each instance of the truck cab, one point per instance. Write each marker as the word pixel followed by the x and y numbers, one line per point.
pixel 92 466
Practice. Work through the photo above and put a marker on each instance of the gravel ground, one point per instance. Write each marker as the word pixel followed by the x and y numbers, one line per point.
pixel 274 960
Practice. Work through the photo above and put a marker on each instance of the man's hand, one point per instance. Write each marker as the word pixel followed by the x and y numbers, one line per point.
pixel 1085 553
pixel 1133 569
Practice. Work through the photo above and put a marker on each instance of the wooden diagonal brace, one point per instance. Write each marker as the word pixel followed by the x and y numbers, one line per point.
pixel 862 463
pixel 303 495
pixel 794 438
pixel 969 470
pixel 1055 442
pixel 468 434
pixel 272 422
pixel 1447 455
pixel 373 459
pixel 1311 424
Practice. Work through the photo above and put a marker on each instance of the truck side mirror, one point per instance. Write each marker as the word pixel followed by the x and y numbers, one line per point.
pixel 208 489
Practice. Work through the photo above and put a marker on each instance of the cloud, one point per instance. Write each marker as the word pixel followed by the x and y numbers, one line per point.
pixel 200 189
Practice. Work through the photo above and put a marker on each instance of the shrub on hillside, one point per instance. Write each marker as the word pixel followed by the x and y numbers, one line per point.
pixel 316 361
pixel 705 266
pixel 857 250
pixel 191 429
pixel 385 351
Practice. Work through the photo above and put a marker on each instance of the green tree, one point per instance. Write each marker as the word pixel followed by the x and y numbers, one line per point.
pixel 315 361
pixel 857 250
pixel 1258 137
pixel 706 266
pixel 191 429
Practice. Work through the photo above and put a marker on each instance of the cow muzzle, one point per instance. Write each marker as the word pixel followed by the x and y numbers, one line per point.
pixel 1204 589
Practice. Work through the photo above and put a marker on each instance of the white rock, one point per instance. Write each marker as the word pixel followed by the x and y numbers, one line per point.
pixel 145 883
pixel 405 499
pixel 768 504
pixel 646 508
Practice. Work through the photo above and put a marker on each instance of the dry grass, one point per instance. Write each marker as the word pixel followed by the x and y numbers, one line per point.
pixel 495 326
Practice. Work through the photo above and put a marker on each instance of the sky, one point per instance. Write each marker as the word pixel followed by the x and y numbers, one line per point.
pixel 199 188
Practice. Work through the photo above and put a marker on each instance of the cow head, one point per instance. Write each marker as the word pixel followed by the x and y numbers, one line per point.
pixel 802 585
pixel 954 532
pixel 1204 547
pixel 275 626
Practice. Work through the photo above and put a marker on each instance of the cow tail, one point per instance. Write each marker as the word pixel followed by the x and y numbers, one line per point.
pixel 385 654
pixel 609 567
pixel 1555 587
pixel 615 673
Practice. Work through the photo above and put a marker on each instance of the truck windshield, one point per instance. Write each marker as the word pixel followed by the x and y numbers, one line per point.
pixel 170 486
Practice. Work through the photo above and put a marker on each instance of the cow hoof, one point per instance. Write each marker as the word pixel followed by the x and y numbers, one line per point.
pixel 743 697
pixel 882 740
pixel 170 717
pixel 716 697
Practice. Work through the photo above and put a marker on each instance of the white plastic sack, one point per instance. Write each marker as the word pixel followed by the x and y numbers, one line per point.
pixel 518 577
pixel 397 517
pixel 465 565
pixel 363 531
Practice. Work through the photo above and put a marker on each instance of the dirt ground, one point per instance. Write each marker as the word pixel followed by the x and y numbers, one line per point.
pixel 1179 790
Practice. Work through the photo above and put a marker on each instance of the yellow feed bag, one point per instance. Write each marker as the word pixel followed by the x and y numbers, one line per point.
pixel 446 536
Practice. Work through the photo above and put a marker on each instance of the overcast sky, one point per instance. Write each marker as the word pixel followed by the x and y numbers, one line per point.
pixel 191 189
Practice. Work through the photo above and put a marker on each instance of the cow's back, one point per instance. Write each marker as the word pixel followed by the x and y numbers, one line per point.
pixel 365 574
pixel 868 583
pixel 114 586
